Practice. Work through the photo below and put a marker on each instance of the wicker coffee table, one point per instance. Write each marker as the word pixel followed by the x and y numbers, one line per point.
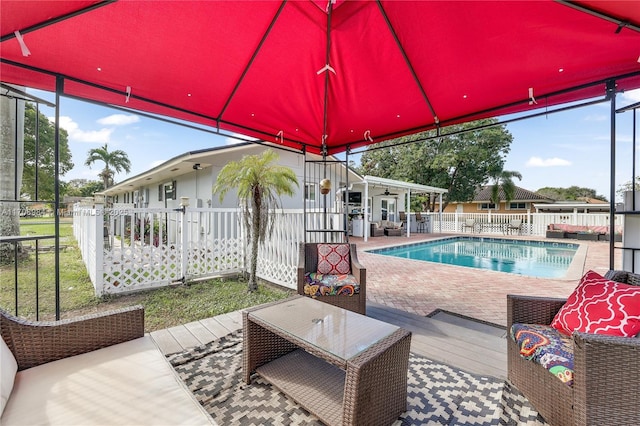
pixel 343 367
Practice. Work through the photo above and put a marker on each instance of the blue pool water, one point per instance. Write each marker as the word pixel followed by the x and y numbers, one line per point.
pixel 532 258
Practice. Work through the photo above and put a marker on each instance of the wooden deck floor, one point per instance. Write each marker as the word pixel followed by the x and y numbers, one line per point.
pixel 466 345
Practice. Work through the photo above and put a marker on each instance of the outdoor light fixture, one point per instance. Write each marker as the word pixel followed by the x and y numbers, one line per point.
pixel 325 186
pixel 197 166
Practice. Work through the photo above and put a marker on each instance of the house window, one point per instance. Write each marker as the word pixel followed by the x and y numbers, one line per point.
pixel 310 192
pixel 170 191
pixel 517 206
pixel 486 206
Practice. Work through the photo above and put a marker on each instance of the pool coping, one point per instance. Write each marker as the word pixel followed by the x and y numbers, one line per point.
pixel 574 270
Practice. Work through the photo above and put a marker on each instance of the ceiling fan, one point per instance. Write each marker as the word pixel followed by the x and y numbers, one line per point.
pixel 386 192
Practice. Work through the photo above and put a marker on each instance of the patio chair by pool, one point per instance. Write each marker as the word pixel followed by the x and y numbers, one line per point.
pixel 403 217
pixel 331 273
pixel 514 225
pixel 377 230
pixel 420 222
pixel 469 223
pixel 606 368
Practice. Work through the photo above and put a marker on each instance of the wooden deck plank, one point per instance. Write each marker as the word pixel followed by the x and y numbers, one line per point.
pixel 468 349
pixel 165 341
pixel 465 348
pixel 215 327
pixel 232 321
pixel 426 325
pixel 200 332
pixel 183 336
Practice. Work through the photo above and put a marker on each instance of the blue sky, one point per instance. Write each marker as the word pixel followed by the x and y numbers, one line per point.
pixel 558 150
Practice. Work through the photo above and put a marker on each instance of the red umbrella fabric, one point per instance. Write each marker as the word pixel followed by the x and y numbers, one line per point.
pixel 323 74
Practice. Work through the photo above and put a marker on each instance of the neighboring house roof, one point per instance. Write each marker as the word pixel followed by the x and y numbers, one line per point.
pixel 588 200
pixel 483 195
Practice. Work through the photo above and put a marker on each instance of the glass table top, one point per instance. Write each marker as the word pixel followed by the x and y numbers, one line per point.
pixel 338 331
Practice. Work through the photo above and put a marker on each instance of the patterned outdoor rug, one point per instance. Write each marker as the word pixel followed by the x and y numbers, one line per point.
pixel 437 394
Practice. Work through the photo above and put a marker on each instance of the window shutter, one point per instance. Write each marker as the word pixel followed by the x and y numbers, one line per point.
pixel 160 190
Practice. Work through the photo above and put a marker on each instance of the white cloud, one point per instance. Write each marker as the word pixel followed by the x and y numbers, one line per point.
pixel 76 134
pixel 596 117
pixel 632 96
pixel 547 162
pixel 118 120
pixel 232 141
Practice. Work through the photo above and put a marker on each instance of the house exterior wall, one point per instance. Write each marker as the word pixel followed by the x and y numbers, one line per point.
pixel 198 184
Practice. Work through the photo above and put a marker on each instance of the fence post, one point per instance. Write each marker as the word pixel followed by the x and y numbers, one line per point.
pixel 184 239
pixel 98 238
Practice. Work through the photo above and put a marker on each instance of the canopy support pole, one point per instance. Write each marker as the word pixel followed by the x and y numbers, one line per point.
pixel 611 96
pixel 325 149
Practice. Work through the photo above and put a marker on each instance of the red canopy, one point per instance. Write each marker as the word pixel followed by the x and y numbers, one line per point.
pixel 345 73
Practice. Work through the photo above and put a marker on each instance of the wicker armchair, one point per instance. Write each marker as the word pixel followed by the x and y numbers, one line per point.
pixel 308 262
pixel 35 343
pixel 376 230
pixel 606 369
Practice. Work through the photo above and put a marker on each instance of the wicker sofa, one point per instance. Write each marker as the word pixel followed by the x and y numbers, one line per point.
pixel 606 387
pixel 95 370
pixel 308 262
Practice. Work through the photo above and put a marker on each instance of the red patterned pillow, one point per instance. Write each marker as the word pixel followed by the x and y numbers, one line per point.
pixel 600 306
pixel 333 259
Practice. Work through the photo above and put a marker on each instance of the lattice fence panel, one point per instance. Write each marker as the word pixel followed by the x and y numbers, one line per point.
pixel 215 257
pixel 140 266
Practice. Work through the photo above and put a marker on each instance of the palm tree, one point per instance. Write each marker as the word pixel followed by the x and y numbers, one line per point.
pixel 503 182
pixel 114 161
pixel 259 183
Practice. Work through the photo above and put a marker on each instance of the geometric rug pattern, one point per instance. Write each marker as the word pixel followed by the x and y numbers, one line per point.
pixel 438 394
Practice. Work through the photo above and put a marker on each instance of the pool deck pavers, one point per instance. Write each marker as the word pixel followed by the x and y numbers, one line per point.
pixel 422 287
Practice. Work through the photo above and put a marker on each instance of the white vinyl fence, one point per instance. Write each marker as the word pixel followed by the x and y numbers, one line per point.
pixel 533 224
pixel 130 249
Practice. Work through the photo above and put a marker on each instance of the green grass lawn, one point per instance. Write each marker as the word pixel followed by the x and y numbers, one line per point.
pixel 164 307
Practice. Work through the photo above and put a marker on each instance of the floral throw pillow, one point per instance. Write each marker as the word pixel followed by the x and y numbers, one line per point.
pixel 600 306
pixel 333 259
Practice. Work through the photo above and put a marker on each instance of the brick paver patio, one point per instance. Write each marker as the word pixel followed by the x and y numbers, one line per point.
pixel 421 287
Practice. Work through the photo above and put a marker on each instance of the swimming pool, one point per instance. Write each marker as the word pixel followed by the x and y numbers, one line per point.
pixel 531 258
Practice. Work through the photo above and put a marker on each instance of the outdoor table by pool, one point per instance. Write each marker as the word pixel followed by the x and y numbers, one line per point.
pixel 343 367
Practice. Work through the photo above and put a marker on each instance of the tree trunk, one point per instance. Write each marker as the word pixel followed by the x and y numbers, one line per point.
pixel 11 166
pixel 256 202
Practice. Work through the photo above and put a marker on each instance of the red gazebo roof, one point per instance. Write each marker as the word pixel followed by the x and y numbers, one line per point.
pixel 304 73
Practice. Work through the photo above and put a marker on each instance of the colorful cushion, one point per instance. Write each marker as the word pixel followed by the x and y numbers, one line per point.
pixel 547 347
pixel 333 259
pixel 600 306
pixel 8 370
pixel 330 285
